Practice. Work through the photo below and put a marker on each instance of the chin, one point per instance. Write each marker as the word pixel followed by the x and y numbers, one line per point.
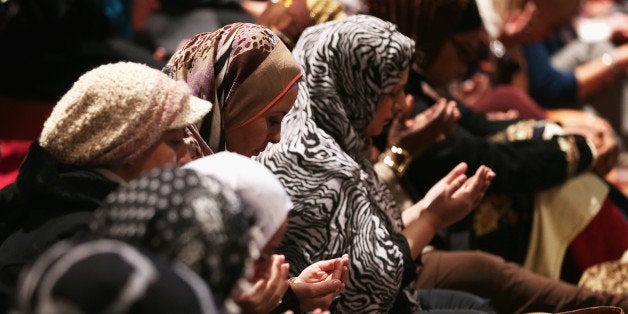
pixel 254 153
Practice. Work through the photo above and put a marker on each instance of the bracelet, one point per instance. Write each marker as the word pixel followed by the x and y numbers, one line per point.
pixel 401 168
pixel 292 279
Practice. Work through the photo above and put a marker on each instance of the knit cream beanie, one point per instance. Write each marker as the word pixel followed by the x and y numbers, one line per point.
pixel 115 112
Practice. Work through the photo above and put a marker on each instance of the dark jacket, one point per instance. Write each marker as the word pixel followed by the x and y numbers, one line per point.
pixel 522 168
pixel 48 202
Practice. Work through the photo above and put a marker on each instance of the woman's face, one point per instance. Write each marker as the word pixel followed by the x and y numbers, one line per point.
pixel 168 150
pixel 261 267
pixel 251 139
pixel 454 58
pixel 391 103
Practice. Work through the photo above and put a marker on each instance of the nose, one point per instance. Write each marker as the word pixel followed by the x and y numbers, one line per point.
pixel 400 103
pixel 274 136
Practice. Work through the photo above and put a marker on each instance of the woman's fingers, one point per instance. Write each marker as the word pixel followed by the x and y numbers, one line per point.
pixel 477 185
pixel 459 169
pixel 337 271
pixel 456 184
pixel 277 284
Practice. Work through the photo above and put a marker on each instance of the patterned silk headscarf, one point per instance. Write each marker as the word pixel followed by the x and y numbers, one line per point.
pixel 340 206
pixel 183 216
pixel 243 69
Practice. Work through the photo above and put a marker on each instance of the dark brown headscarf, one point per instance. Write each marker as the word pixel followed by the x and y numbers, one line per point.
pixel 429 22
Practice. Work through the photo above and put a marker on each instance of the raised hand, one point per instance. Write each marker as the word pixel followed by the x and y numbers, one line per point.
pixel 266 293
pixel 517 26
pixel 454 196
pixel 319 283
pixel 417 133
pixel 471 90
pixel 596 130
pixel 448 201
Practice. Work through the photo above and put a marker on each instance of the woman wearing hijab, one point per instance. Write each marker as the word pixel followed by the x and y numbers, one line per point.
pixel 249 75
pixel 116 122
pixel 521 165
pixel 355 70
pixel 261 192
pixel 173 215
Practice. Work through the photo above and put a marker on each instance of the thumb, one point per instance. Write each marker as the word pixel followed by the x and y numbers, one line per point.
pixel 409 105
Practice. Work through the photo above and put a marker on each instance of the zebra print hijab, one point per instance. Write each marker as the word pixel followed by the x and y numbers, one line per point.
pixel 347 74
pixel 340 206
pixel 243 69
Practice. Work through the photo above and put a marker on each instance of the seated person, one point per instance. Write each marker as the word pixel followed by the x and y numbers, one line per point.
pixel 116 122
pixel 528 157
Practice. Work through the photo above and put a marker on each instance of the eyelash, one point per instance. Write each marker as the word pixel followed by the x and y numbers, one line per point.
pixel 273 122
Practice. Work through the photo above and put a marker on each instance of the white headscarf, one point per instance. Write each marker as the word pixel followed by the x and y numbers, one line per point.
pixel 257 187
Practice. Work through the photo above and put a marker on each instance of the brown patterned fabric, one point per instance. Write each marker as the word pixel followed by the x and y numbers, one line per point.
pixel 241 68
pixel 607 277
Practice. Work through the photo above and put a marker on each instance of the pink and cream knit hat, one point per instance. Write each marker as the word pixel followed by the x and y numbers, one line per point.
pixel 115 112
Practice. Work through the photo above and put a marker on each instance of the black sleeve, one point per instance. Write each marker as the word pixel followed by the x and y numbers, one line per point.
pixel 288 302
pixel 520 166
pixel 477 123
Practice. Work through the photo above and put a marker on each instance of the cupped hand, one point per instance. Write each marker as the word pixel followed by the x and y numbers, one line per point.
pixel 472 89
pixel 267 293
pixel 454 196
pixel 321 282
pixel 516 28
pixel 597 131
pixel 418 133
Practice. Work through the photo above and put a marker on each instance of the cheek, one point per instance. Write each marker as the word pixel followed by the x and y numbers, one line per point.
pixel 384 109
pixel 167 154
pixel 160 156
pixel 244 140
